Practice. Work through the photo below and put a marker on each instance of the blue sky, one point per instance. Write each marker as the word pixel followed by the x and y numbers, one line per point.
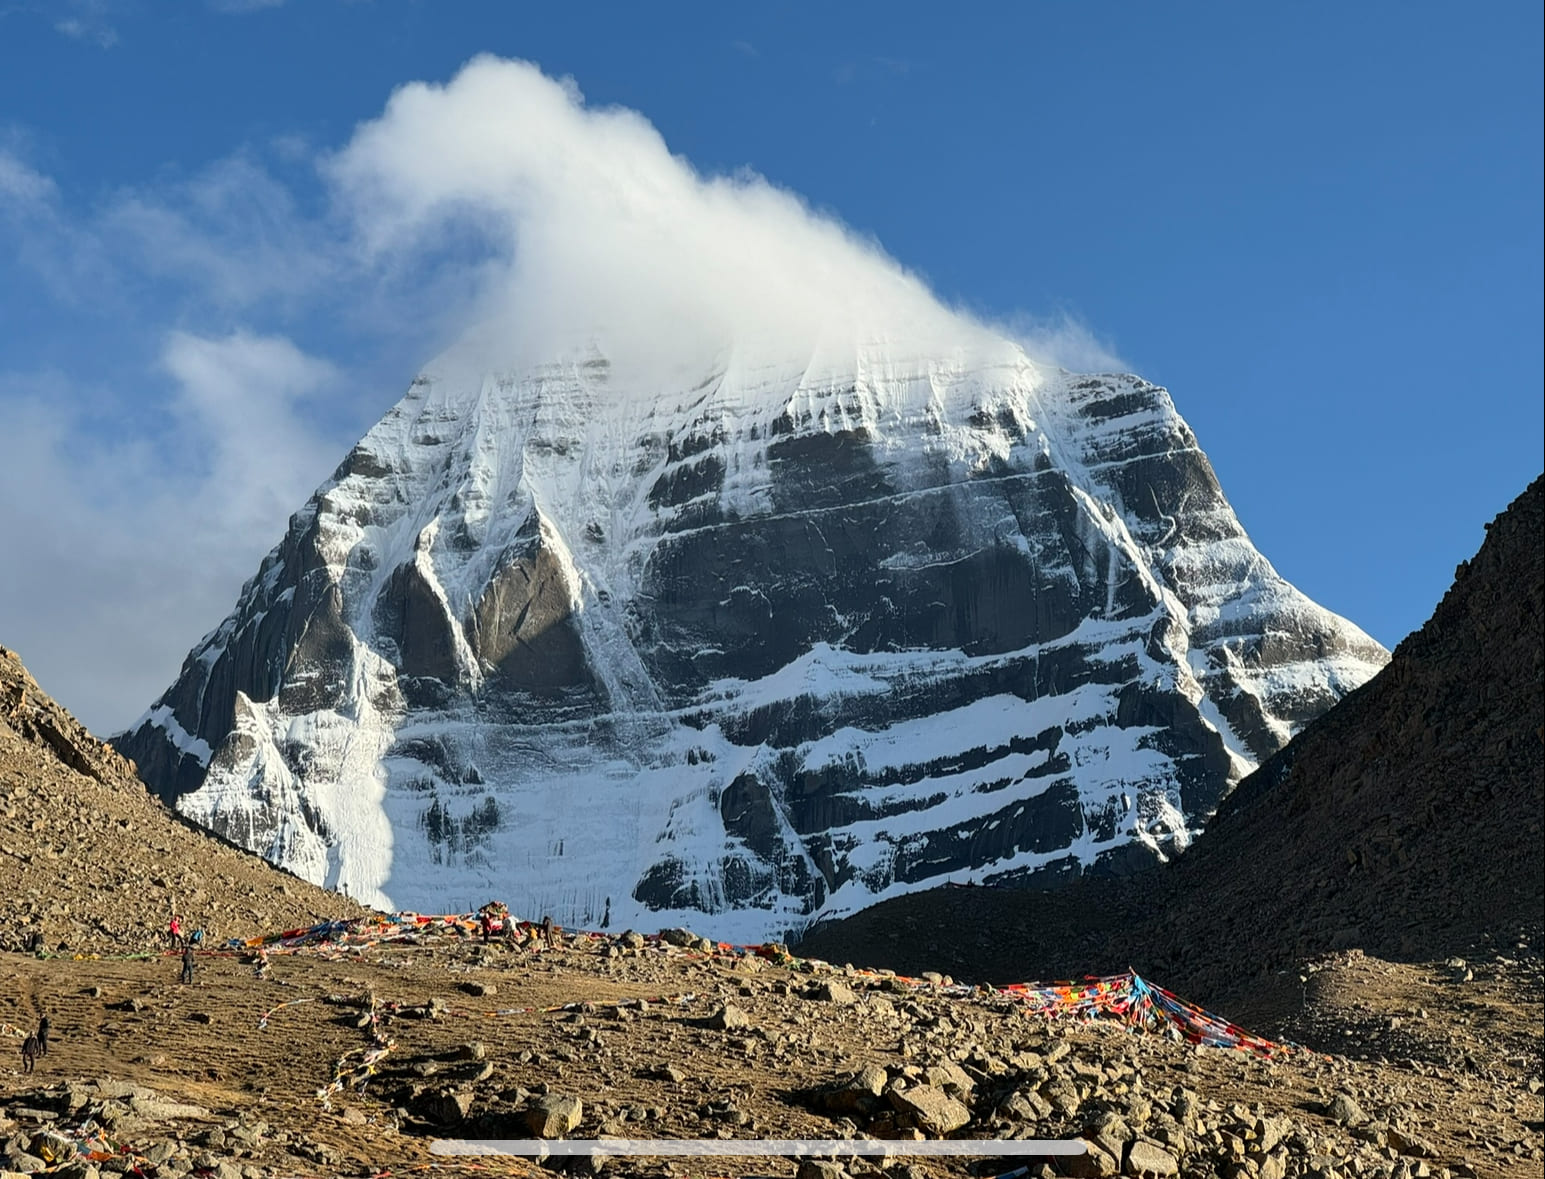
pixel 1319 225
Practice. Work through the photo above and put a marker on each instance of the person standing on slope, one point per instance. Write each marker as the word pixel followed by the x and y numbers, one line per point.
pixel 187 963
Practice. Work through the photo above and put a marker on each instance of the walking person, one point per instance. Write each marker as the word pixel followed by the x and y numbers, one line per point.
pixel 29 1053
pixel 187 963
pixel 42 1036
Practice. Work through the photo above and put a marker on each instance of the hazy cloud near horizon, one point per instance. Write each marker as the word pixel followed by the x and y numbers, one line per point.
pixel 495 207
pixel 125 545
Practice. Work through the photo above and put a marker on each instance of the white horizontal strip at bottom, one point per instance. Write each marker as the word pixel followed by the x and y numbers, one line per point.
pixel 747 1147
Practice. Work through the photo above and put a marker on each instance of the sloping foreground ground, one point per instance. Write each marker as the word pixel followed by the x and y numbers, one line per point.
pixel 653 1041
pixel 1406 822
pixel 1424 1068
pixel 164 1079
pixel 89 860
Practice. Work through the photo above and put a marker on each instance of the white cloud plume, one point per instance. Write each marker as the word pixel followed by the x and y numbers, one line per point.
pixel 497 213
pixel 607 235
pixel 1062 341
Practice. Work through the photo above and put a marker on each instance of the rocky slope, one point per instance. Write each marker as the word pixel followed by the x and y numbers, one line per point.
pixel 775 641
pixel 610 1036
pixel 90 861
pixel 1406 822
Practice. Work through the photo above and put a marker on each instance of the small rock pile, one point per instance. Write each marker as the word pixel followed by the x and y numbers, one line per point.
pixel 1041 1089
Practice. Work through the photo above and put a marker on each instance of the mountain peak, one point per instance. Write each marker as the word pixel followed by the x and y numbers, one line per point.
pixel 763 642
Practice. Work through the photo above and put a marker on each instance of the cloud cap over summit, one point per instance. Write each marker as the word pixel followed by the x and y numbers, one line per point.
pixel 604 234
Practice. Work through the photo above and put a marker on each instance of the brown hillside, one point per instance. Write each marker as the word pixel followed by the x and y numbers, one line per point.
pixel 1406 822
pixel 94 863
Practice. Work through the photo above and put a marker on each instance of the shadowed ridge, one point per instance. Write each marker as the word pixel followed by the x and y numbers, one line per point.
pixel 1407 822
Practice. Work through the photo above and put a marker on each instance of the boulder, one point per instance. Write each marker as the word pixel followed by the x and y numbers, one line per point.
pixel 836 992
pixel 728 1018
pixel 1095 1163
pixel 934 1110
pixel 1147 1159
pixel 553 1116
pixel 1342 1108
pixel 444 1107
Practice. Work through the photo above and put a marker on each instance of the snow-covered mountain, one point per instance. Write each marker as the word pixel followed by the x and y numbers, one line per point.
pixel 770 642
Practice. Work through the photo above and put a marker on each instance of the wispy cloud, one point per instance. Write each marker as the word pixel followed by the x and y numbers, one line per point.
pixel 82 30
pixel 1063 341
pixel 240 401
pixel 60 252
pixel 85 20
pixel 233 232
pixel 22 186
pixel 870 69
pixel 173 517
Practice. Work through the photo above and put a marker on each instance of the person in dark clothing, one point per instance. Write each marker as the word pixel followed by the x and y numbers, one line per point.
pixel 187 964
pixel 42 1036
pixel 29 1053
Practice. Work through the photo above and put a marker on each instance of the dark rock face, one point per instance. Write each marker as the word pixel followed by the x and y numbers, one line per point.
pixel 520 626
pixel 772 646
pixel 1409 822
